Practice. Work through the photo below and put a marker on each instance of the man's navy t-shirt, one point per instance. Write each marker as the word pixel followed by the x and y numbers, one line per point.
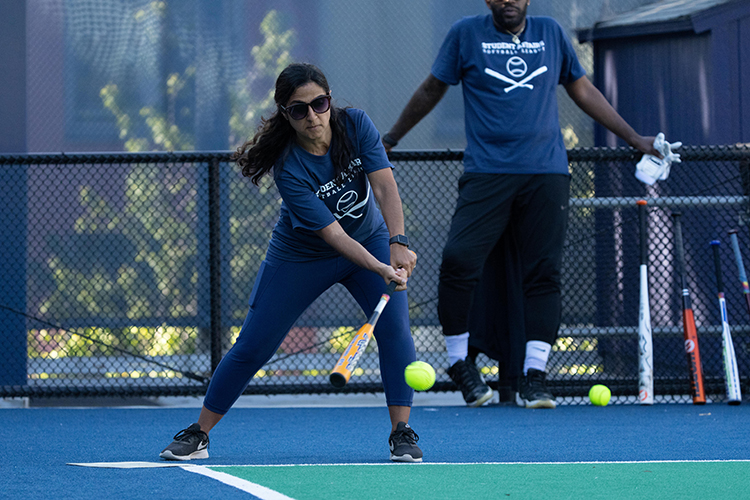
pixel 510 101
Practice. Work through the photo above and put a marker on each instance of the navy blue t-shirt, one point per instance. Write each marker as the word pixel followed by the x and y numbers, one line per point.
pixel 312 199
pixel 510 100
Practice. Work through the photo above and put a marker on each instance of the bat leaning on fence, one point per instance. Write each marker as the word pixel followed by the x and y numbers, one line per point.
pixel 688 321
pixel 740 267
pixel 645 340
pixel 731 374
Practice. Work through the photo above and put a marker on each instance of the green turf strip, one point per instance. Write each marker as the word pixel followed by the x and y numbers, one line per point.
pixel 704 480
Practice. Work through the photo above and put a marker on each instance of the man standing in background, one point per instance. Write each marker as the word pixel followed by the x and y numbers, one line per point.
pixel 515 173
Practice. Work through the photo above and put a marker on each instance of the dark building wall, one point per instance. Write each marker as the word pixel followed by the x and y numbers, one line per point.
pixel 731 55
pixel 693 85
pixel 659 83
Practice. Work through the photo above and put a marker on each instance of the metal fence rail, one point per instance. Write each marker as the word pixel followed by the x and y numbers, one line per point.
pixel 128 274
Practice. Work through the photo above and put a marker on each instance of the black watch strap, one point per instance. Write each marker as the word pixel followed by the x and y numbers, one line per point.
pixel 390 140
pixel 401 239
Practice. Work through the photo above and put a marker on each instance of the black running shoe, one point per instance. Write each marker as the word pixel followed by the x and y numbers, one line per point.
pixel 466 376
pixel 533 392
pixel 188 444
pixel 403 444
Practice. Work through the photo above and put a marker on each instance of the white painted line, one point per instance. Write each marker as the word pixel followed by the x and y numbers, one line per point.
pixel 132 465
pixel 150 465
pixel 426 464
pixel 254 489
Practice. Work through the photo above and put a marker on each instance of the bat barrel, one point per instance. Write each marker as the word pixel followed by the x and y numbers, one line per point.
pixel 347 362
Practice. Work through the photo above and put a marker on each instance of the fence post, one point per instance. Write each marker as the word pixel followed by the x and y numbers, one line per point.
pixel 13 193
pixel 214 259
pixel 13 274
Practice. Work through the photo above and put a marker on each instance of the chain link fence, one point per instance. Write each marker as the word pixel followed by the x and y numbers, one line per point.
pixel 128 274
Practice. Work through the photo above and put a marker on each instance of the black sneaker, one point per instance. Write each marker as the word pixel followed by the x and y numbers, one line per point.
pixel 533 392
pixel 466 376
pixel 403 444
pixel 188 444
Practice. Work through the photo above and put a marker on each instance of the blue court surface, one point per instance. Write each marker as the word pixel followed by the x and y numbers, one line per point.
pixel 272 451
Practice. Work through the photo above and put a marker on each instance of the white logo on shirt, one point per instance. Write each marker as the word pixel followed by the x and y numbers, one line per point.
pixel 347 201
pixel 516 84
pixel 349 185
pixel 333 187
pixel 348 204
pixel 508 48
pixel 516 67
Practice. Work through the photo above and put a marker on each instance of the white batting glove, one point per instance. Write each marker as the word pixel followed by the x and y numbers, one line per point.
pixel 651 169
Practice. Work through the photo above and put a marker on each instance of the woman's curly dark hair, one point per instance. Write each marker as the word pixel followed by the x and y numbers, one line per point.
pixel 275 137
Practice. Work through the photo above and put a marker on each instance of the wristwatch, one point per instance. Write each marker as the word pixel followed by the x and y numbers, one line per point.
pixel 390 140
pixel 401 239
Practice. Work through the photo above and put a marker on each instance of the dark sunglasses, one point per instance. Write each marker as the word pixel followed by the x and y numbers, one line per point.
pixel 298 111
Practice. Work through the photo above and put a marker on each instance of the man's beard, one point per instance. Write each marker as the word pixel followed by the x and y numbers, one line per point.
pixel 509 22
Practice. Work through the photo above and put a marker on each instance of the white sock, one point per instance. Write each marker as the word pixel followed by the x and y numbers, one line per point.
pixel 457 346
pixel 537 354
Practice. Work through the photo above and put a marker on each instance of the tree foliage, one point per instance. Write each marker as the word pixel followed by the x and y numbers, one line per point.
pixel 133 252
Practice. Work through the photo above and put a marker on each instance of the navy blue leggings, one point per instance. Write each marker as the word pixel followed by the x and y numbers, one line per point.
pixel 282 291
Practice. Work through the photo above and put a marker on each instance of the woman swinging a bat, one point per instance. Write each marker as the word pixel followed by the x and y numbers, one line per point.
pixel 330 168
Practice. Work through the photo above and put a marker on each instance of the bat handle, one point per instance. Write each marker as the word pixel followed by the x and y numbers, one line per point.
pixel 737 255
pixel 679 248
pixel 391 288
pixel 643 223
pixel 717 266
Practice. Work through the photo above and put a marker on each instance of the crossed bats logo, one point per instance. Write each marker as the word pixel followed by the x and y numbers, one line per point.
pixel 517 68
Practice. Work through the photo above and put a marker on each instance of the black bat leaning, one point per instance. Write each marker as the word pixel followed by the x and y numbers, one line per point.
pixel 740 267
pixel 688 321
